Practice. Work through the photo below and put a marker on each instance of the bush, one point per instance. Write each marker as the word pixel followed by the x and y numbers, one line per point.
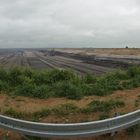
pixel 59 75
pixel 120 74
pixel 27 72
pixel 105 85
pixel 41 92
pixel 3 86
pixel 67 89
pixel 3 75
pixel 33 91
pixel 25 90
pixel 133 71
pixel 63 83
pixel 90 79
pixel 105 106
pixel 87 89
pixel 14 76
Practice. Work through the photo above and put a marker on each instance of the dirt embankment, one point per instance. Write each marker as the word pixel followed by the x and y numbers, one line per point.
pixel 31 105
pixel 103 51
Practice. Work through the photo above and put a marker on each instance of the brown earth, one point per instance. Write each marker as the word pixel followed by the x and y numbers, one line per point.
pixel 103 51
pixel 29 105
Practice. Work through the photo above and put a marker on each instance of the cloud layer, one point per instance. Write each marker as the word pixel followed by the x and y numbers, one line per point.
pixel 69 23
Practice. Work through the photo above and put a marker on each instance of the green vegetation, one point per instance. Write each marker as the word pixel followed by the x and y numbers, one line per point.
pixel 65 109
pixel 63 83
pixel 102 106
pixel 14 113
pixel 103 116
pixel 134 130
pixel 41 113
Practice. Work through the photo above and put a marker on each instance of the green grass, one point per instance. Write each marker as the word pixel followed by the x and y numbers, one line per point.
pixel 16 114
pixel 65 109
pixel 62 83
pixel 102 106
pixel 41 113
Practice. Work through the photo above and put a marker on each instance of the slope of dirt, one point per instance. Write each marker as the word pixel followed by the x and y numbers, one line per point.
pixel 102 51
pixel 31 105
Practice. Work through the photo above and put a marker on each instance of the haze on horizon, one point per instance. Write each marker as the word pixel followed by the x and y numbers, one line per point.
pixel 69 23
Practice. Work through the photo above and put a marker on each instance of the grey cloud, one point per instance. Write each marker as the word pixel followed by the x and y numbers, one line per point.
pixel 69 23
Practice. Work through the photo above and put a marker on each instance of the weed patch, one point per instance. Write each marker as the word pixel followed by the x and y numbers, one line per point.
pixel 63 83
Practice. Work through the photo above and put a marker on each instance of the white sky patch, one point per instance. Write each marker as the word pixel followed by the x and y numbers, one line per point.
pixel 69 23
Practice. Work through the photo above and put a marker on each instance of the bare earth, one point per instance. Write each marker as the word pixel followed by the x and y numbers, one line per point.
pixel 103 51
pixel 40 60
pixel 31 105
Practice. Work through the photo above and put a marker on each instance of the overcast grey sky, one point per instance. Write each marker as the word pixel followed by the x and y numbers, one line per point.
pixel 69 23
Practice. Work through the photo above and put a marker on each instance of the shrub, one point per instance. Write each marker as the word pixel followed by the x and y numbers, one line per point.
pixel 104 106
pixel 67 89
pixel 59 75
pixel 63 83
pixel 105 85
pixel 33 91
pixel 3 75
pixel 27 72
pixel 90 79
pixel 87 89
pixel 41 92
pixel 3 86
pixel 133 71
pixel 25 90
pixel 14 76
pixel 120 74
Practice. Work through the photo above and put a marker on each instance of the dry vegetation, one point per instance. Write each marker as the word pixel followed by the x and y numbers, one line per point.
pixel 63 96
pixel 103 51
pixel 39 107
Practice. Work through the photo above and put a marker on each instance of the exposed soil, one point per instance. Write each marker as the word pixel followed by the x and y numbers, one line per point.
pixel 30 105
pixel 102 51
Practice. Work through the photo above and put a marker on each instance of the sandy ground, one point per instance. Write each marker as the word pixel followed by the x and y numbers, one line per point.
pixel 30 105
pixel 103 52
